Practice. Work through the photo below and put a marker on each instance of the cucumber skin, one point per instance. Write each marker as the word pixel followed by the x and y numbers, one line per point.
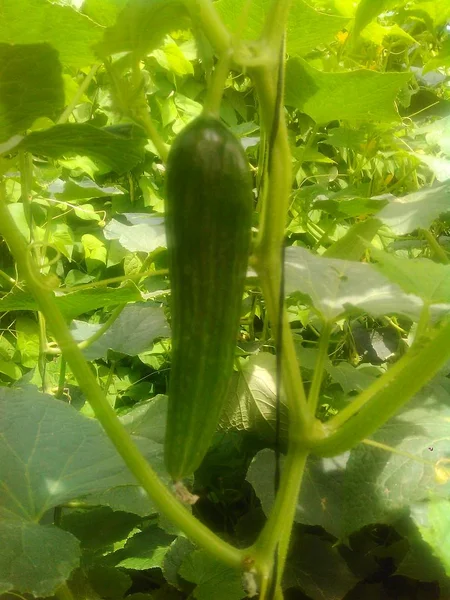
pixel 209 206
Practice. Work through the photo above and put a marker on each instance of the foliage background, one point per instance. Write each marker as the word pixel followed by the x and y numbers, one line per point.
pixel 367 103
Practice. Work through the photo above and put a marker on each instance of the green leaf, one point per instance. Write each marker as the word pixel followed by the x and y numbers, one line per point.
pixel 147 419
pixel 307 28
pixel 50 454
pixel 173 559
pixel 321 500
pixel 379 485
pixel 438 165
pixel 318 569
pixel 100 527
pixel 441 60
pixel 146 232
pixel 360 95
pixel 109 582
pixel 252 399
pixel 119 152
pixel 39 21
pixel 368 10
pixel 76 303
pixel 23 96
pixel 416 210
pixel 145 550
pixel 337 287
pixel 437 10
pixel 71 190
pixel 420 276
pixel 354 243
pixel 94 251
pixel 419 563
pixel 437 133
pixel 433 521
pixel 28 344
pixel 10 369
pixel 142 25
pixel 213 578
pixel 171 57
pixel 103 11
pixel 35 559
pixel 132 333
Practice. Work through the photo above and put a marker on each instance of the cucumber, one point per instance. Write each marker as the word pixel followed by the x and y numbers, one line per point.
pixel 208 215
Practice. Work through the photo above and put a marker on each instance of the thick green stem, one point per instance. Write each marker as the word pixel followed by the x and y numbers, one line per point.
pixel 277 530
pixel 137 464
pixel 217 85
pixel 275 24
pixel 206 16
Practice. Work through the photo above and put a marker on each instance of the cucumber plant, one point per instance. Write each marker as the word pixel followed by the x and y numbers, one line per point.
pixel 208 210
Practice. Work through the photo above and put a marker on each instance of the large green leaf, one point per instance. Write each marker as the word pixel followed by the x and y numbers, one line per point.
pixel 117 149
pixel 49 454
pixel 379 485
pixel 38 21
pixel 307 28
pixel 370 485
pixel 337 287
pixel 416 210
pixel 420 276
pixel 31 86
pixel 360 95
pixel 35 559
pixel 141 26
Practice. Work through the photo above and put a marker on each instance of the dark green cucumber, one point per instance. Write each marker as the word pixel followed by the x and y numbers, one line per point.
pixel 209 205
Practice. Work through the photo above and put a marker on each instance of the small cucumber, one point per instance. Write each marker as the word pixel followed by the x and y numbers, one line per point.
pixel 209 205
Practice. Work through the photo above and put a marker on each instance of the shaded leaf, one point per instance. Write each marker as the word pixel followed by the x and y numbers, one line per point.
pixel 380 485
pixel 213 578
pixel 317 568
pixel 133 332
pixel 23 94
pixel 35 559
pixel 118 152
pixel 321 500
